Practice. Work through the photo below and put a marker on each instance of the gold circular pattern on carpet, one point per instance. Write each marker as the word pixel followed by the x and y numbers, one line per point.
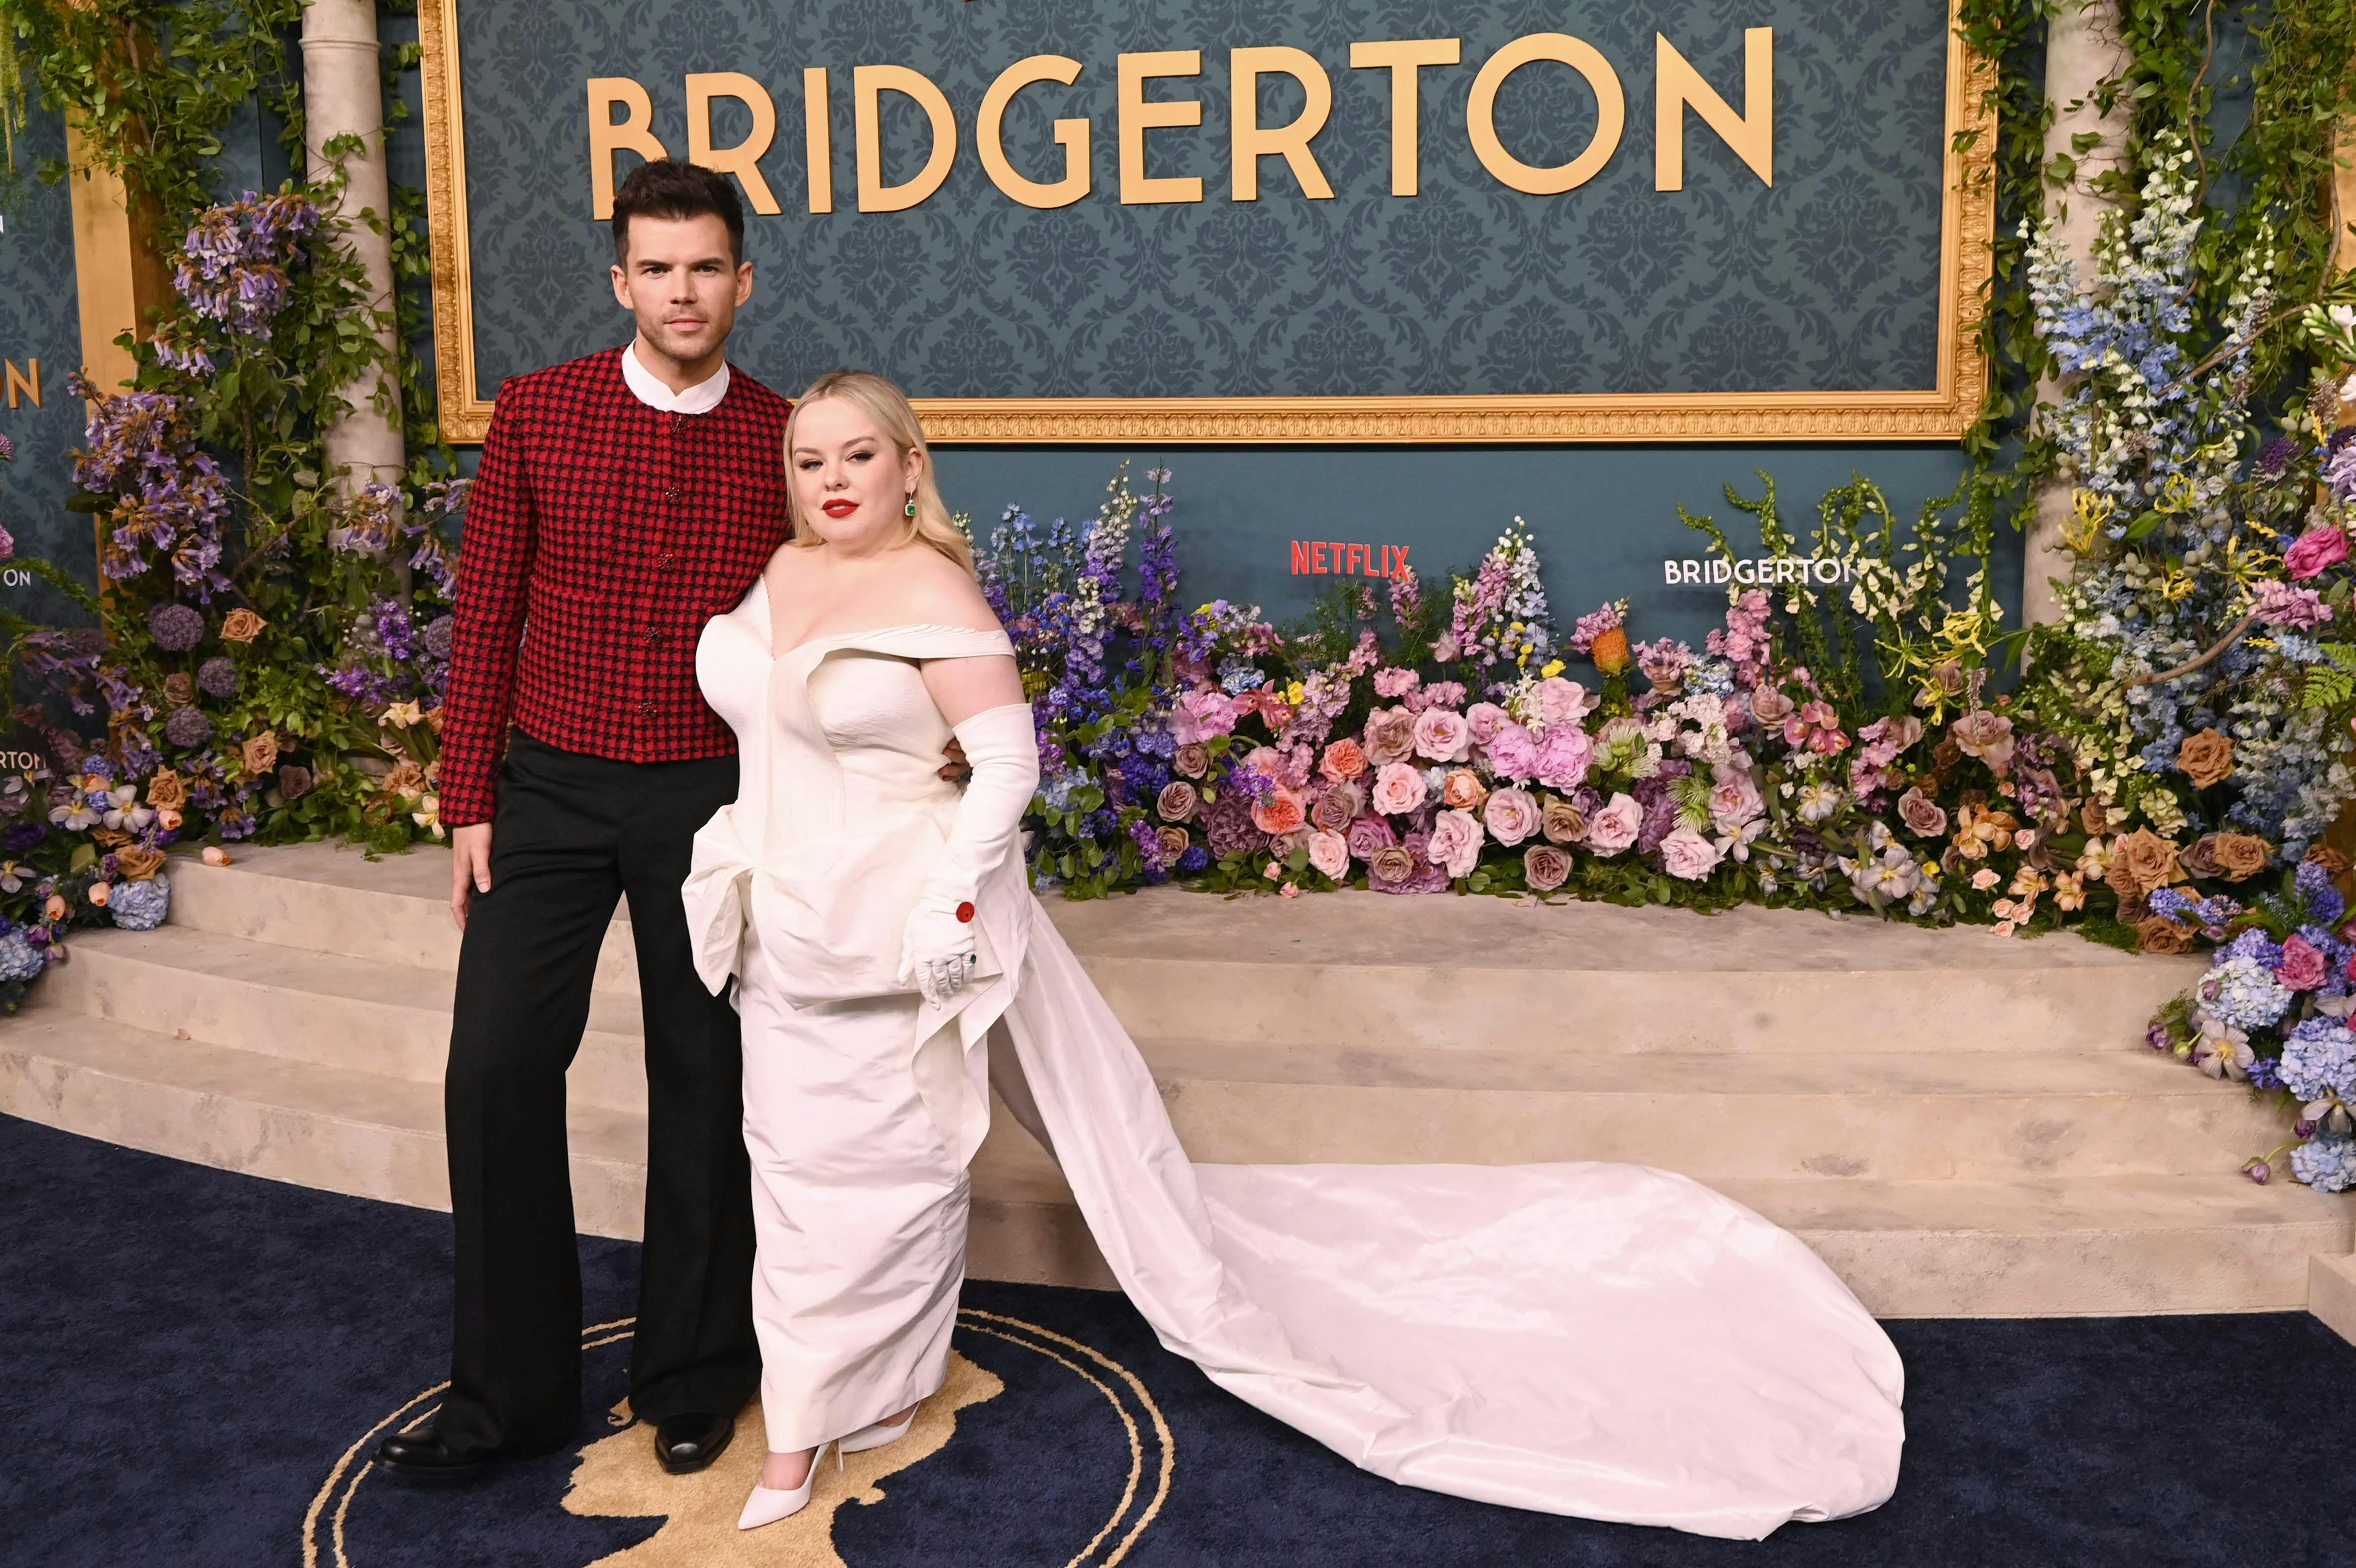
pixel 617 1476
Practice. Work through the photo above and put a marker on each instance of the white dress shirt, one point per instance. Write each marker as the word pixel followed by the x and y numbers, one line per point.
pixel 700 399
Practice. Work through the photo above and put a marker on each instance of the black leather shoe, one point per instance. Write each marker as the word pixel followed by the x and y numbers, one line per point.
pixel 421 1455
pixel 688 1442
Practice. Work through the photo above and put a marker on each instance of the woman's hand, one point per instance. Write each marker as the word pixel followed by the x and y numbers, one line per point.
pixel 937 953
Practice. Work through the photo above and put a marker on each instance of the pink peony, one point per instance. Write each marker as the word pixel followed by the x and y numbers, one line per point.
pixel 1344 761
pixel 1441 735
pixel 1563 757
pixel 1200 714
pixel 1283 811
pixel 1484 719
pixel 1455 845
pixel 1544 867
pixel 1512 816
pixel 2303 968
pixel 1687 855
pixel 1513 754
pixel 1734 800
pixel 1398 789
pixel 1330 853
pixel 2316 549
pixel 1615 826
pixel 1563 701
pixel 1368 835
pixel 1438 694
pixel 1390 735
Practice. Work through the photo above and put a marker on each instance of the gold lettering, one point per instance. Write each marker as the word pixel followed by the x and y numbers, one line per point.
pixel 1750 134
pixel 868 83
pixel 1611 113
pixel 1137 117
pixel 1072 135
pixel 817 139
pixel 1248 143
pixel 19 381
pixel 634 134
pixel 743 160
pixel 1405 57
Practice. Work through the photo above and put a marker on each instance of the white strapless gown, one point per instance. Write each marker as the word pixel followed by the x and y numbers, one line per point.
pixel 1609 1341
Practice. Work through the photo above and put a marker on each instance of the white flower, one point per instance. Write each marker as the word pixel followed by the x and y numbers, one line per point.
pixel 125 813
pixel 1736 844
pixel 1819 801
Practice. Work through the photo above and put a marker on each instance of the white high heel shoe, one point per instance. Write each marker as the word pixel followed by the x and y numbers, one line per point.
pixel 767 1505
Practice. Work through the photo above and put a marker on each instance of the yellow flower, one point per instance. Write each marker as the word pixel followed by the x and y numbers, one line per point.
pixel 2176 494
pixel 1294 692
pixel 402 715
pixel 1551 668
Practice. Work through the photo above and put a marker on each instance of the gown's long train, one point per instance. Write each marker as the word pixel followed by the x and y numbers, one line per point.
pixel 1605 1341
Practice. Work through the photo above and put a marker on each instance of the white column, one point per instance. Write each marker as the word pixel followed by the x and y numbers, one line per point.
pixel 2082 51
pixel 343 95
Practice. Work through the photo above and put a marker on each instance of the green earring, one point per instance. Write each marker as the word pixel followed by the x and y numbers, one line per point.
pixel 910 511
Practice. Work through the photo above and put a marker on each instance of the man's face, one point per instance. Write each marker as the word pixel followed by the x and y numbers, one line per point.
pixel 681 284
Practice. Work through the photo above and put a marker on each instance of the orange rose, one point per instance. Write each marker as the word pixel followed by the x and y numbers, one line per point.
pixel 1461 791
pixel 168 818
pixel 138 862
pixel 166 790
pixel 2157 933
pixel 407 779
pixel 216 855
pixel 1284 812
pixel 260 754
pixel 2149 859
pixel 1344 761
pixel 2206 758
pixel 241 626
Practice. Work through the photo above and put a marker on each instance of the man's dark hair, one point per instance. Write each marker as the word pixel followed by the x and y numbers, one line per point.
pixel 672 188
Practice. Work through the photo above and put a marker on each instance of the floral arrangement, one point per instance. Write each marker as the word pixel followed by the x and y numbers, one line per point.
pixel 267 656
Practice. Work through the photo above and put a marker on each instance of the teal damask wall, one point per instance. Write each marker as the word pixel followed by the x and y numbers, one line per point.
pixel 41 319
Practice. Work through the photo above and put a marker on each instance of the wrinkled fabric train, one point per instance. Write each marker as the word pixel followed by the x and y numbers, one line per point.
pixel 1609 1341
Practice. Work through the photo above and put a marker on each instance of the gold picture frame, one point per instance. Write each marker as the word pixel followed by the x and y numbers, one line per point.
pixel 1940 412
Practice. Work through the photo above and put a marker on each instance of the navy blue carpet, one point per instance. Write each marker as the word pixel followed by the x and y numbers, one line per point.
pixel 190 1355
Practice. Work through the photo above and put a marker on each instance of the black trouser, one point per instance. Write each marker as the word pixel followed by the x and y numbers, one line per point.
pixel 572 834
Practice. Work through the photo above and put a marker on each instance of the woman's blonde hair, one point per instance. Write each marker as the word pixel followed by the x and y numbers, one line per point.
pixel 888 406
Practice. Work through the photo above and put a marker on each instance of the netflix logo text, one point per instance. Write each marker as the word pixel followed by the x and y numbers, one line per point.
pixel 1322 558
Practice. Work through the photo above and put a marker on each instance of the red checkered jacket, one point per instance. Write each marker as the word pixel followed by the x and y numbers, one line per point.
pixel 600 535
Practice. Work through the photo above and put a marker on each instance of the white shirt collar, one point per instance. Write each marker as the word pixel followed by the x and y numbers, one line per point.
pixel 700 399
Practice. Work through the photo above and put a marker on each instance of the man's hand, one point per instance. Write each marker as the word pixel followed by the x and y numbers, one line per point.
pixel 957 769
pixel 470 867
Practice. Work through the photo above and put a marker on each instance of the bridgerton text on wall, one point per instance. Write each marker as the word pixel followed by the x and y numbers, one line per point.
pixel 1084 221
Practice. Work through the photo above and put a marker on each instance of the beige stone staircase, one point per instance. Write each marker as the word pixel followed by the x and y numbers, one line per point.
pixel 1960 1124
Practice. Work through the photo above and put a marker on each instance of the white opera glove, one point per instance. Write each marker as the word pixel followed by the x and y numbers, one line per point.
pixel 937 955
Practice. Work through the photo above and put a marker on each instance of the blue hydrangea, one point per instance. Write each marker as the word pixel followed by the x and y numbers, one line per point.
pixel 20 958
pixel 2319 1059
pixel 1059 789
pixel 1238 674
pixel 140 906
pixel 2253 943
pixel 2171 903
pixel 1195 859
pixel 2328 1165
pixel 2324 904
pixel 2245 993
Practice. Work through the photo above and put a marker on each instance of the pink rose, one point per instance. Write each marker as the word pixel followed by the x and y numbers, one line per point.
pixel 1441 735
pixel 1687 855
pixel 1178 800
pixel 1398 789
pixel 1200 714
pixel 1390 736
pixel 1390 866
pixel 1462 790
pixel 1285 843
pixel 2316 548
pixel 1335 809
pixel 1770 707
pixel 1513 754
pixel 1544 867
pixel 2302 967
pixel 1192 759
pixel 1455 845
pixel 1563 757
pixel 1282 813
pixel 1484 719
pixel 1512 816
pixel 1986 734
pixel 1370 835
pixel 1923 816
pixel 1394 683
pixel 1330 853
pixel 1734 800
pixel 1615 826
pixel 1344 761
pixel 1563 701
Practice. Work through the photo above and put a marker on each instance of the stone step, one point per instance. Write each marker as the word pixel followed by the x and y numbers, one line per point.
pixel 2041 1246
pixel 1721 1115
pixel 1347 968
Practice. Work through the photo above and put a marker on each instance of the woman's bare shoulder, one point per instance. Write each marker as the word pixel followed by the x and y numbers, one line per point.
pixel 938 592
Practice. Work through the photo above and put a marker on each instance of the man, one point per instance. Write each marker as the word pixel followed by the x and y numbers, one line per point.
pixel 623 499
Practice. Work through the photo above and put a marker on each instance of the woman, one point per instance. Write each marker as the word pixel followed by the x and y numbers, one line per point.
pixel 1605 1341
